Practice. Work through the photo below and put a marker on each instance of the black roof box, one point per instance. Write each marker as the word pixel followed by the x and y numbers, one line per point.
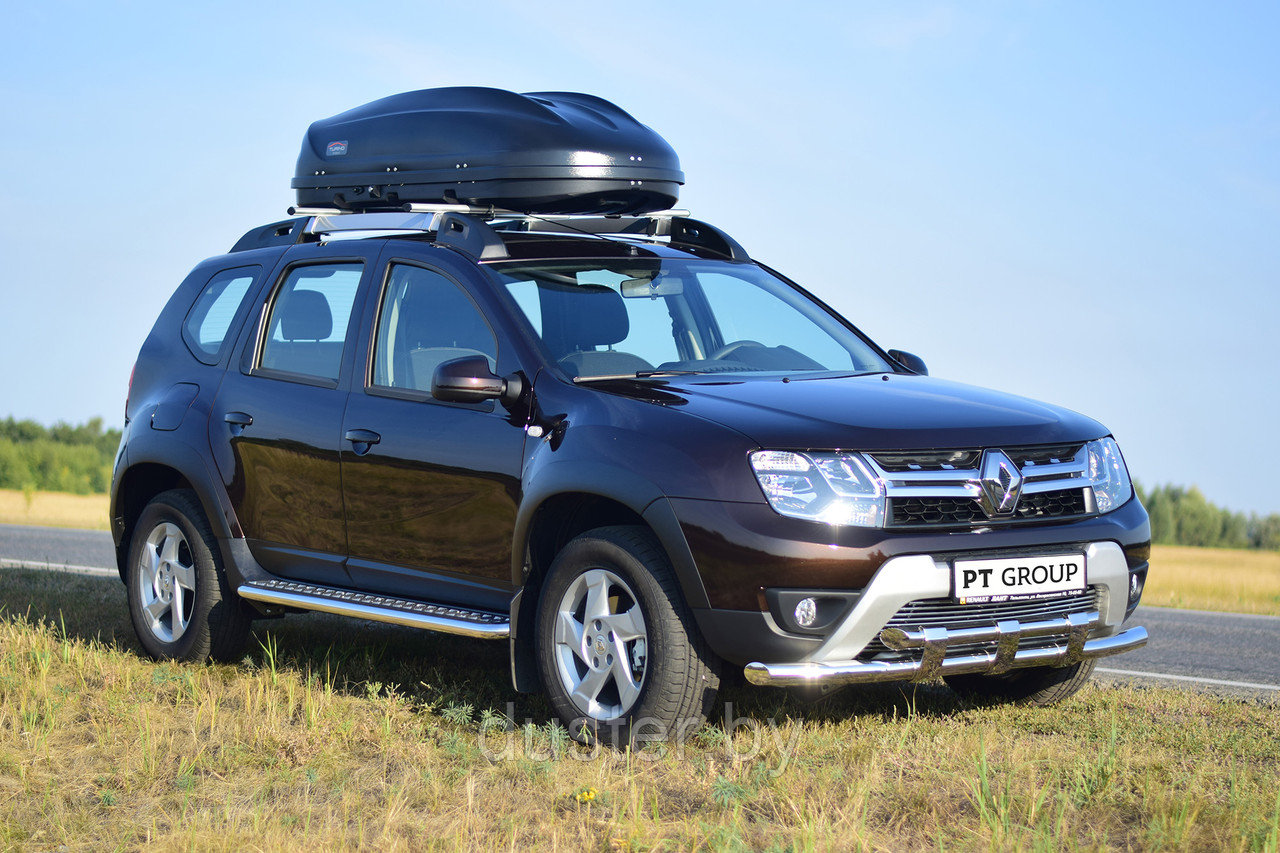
pixel 541 152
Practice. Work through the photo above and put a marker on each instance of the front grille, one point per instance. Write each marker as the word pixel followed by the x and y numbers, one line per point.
pixel 1060 504
pixel 946 488
pixel 1048 455
pixel 920 512
pixel 950 614
pixel 932 460
pixel 964 512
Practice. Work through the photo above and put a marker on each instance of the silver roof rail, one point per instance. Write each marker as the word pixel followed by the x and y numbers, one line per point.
pixel 331 223
pixel 673 227
pixel 484 212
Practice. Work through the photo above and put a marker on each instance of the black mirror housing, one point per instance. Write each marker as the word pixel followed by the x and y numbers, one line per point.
pixel 466 380
pixel 911 362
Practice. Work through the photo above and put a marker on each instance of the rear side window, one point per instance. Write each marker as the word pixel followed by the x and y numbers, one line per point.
pixel 307 328
pixel 209 320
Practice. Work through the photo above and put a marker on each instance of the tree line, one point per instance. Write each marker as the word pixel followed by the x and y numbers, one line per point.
pixel 1183 516
pixel 60 458
pixel 78 459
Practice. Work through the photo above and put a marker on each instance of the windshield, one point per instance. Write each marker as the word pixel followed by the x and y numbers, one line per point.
pixel 629 317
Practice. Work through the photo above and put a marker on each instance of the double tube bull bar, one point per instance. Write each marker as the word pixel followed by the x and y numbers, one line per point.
pixel 934 643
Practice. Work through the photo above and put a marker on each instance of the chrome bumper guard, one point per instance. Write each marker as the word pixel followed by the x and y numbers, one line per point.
pixel 934 642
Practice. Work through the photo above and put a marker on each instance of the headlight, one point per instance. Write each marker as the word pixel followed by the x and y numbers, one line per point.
pixel 835 488
pixel 1111 486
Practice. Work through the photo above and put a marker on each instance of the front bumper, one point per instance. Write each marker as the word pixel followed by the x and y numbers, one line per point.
pixel 934 662
pixel 901 580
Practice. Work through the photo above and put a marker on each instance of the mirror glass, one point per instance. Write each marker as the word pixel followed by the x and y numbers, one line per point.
pixel 659 285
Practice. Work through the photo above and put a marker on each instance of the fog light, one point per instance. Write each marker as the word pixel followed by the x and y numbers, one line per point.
pixel 1135 586
pixel 806 612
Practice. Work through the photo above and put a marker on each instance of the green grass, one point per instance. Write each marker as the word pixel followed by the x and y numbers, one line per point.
pixel 333 733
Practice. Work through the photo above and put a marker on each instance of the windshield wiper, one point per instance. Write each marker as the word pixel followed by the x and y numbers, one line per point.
pixel 639 374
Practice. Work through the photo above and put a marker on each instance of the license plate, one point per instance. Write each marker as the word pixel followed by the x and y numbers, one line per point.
pixel 1004 578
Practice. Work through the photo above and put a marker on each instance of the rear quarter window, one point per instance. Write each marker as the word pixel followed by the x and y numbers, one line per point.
pixel 209 321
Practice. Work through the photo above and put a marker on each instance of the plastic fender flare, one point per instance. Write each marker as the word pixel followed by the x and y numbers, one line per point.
pixel 188 462
pixel 607 481
pixel 616 484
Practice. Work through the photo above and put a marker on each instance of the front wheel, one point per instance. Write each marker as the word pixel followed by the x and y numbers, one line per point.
pixel 617 649
pixel 1041 685
pixel 181 605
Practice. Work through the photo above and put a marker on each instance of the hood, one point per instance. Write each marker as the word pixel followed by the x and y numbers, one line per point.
pixel 871 412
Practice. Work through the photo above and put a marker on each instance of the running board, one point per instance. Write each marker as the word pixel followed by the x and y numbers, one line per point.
pixel 446 619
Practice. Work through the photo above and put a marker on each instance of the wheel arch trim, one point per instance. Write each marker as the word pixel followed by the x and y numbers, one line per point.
pixel 192 472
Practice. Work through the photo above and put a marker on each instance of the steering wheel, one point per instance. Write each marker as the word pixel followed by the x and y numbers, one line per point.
pixel 734 346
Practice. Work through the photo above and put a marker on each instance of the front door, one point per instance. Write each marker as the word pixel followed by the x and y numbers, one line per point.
pixel 431 488
pixel 276 424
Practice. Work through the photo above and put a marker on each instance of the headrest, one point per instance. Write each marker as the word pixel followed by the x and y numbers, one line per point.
pixel 305 316
pixel 592 315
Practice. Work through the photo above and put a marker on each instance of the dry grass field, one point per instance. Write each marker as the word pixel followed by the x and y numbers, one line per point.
pixel 334 734
pixel 1214 579
pixel 53 509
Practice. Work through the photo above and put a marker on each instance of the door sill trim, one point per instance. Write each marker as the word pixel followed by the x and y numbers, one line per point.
pixel 444 618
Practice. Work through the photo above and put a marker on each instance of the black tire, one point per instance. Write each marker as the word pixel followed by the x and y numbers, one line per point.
pixel 205 618
pixel 1039 686
pixel 680 675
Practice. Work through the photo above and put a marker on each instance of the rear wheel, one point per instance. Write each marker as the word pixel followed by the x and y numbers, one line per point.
pixel 617 649
pixel 1042 685
pixel 179 600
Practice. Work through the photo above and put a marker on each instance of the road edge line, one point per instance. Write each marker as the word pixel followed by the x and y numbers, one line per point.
pixel 1218 681
pixel 68 568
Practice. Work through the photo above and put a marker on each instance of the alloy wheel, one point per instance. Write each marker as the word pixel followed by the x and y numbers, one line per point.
pixel 167 585
pixel 601 645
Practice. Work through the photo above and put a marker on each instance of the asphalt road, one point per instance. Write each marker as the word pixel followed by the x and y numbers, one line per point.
pixel 1212 652
pixel 56 548
pixel 1229 653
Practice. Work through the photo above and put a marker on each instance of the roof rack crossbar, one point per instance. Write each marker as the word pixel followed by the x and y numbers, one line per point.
pixel 468 228
pixel 330 223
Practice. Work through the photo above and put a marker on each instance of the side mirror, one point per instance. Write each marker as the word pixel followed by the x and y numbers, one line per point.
pixel 914 363
pixel 469 380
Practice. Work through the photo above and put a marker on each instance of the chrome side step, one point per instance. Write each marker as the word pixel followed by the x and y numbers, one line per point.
pixel 445 618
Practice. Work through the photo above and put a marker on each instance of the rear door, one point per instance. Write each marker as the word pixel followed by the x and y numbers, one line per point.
pixel 276 424
pixel 431 488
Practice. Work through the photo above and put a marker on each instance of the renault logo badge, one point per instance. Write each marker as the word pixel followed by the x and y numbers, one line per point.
pixel 1001 483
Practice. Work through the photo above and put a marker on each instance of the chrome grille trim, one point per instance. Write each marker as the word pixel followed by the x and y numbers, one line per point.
pixel 928 475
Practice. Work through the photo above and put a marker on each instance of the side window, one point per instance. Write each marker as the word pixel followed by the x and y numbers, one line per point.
pixel 209 319
pixel 425 319
pixel 307 327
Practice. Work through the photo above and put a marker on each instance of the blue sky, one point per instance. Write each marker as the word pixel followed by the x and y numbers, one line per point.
pixel 1078 202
